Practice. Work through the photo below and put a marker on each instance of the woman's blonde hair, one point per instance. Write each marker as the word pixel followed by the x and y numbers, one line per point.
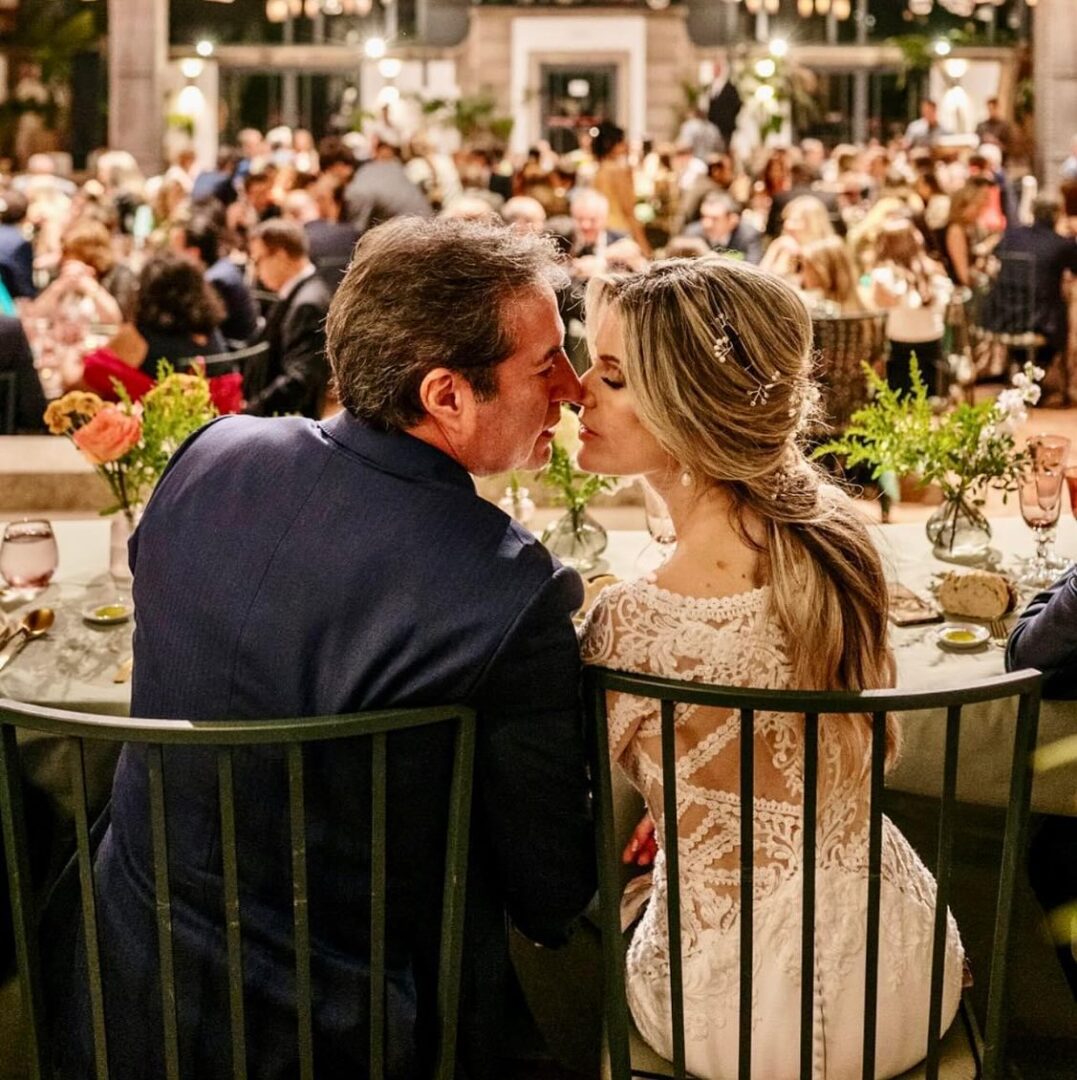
pixel 815 214
pixel 89 242
pixel 828 592
pixel 901 246
pixel 832 264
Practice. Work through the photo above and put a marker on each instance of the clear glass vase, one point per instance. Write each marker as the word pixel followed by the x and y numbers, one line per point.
pixel 122 525
pixel 959 532
pixel 518 504
pixel 576 539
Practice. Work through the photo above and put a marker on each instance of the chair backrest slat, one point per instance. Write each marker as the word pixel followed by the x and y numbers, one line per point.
pixel 1013 846
pixel 89 905
pixel 875 859
pixel 452 906
pixel 232 920
pixel 163 901
pixel 747 888
pixel 20 889
pixel 673 892
pixel 944 863
pixel 300 911
pixel 377 907
pixel 807 936
pixel 599 682
pixel 8 392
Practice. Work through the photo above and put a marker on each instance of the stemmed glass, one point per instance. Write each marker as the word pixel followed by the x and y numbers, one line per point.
pixel 28 555
pixel 1041 500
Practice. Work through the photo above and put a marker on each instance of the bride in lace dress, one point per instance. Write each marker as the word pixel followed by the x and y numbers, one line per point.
pixel 701 382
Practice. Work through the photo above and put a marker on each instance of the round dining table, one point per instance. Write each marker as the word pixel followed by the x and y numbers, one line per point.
pixel 85 667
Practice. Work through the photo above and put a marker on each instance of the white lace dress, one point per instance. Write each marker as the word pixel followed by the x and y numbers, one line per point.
pixel 637 626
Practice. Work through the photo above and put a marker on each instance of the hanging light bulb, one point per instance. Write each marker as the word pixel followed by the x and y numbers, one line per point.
pixel 296 8
pixel 312 8
pixel 276 10
pixel 921 7
pixel 754 6
pixel 773 6
pixel 805 8
pixel 842 9
pixel 822 7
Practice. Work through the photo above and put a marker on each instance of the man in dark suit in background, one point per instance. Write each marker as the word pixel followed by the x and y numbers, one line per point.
pixel 16 359
pixel 721 227
pixel 294 568
pixel 590 211
pixel 295 373
pixel 16 254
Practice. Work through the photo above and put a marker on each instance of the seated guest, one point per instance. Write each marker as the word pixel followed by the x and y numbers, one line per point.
pixel 331 241
pixel 524 214
pixel 720 225
pixel 1045 637
pixel 805 219
pixel 16 254
pixel 177 317
pixel 89 242
pixel 218 184
pixel 1042 258
pixel 828 277
pixel 686 247
pixel 590 214
pixel 295 374
pixel 199 241
pixel 796 601
pixel 288 568
pixel 16 358
pixel 958 239
pixel 381 190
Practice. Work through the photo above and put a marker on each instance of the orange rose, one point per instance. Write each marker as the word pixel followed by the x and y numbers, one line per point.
pixel 108 436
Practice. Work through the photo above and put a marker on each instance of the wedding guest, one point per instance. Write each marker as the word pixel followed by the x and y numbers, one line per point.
pixel 721 227
pixel 702 383
pixel 295 374
pixel 914 292
pixel 288 567
pixel 959 237
pixel 381 189
pixel 613 178
pixel 16 253
pixel 828 277
pixel 590 211
pixel 925 131
pixel 28 408
pixel 805 220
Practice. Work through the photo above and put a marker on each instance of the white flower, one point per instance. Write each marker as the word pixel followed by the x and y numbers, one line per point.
pixel 1010 402
pixel 567 433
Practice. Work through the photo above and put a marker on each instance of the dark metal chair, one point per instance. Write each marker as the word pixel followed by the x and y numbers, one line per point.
pixel 843 344
pixel 982 1053
pixel 240 360
pixel 9 387
pixel 225 737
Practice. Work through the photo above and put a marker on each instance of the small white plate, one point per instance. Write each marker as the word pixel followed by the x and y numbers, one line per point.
pixel 961 636
pixel 111 613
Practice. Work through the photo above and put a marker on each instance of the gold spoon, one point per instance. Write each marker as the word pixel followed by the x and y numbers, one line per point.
pixel 34 624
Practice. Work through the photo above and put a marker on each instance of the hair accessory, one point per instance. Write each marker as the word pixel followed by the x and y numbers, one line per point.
pixel 727 344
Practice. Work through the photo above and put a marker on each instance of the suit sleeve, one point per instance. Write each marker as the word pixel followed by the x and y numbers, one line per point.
pixel 304 375
pixel 531 767
pixel 1045 637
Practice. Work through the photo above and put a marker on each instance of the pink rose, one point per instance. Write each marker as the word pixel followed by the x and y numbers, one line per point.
pixel 108 436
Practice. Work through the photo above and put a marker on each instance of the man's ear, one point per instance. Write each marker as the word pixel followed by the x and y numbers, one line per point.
pixel 442 394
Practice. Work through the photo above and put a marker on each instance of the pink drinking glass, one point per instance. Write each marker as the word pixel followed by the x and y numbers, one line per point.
pixel 1041 502
pixel 28 554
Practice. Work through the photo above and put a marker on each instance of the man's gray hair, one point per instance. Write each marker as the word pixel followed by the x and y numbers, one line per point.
pixel 425 293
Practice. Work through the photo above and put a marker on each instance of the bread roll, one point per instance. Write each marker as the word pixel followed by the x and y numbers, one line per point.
pixel 976 594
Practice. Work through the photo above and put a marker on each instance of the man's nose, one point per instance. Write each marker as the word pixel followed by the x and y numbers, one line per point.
pixel 587 395
pixel 565 385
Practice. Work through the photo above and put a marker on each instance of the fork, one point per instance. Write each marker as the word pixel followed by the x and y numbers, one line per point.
pixel 1000 635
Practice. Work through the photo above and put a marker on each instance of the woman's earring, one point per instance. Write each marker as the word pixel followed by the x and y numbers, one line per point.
pixel 686 478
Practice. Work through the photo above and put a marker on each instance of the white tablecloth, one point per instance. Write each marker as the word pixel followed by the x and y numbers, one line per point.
pixel 73 667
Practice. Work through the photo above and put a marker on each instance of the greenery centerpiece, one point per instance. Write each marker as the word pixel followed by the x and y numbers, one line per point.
pixel 966 451
pixel 575 538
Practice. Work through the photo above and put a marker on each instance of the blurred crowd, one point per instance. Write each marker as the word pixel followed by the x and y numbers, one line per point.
pixel 113 271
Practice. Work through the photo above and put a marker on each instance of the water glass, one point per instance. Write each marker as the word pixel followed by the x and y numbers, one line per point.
pixel 659 523
pixel 1041 501
pixel 28 554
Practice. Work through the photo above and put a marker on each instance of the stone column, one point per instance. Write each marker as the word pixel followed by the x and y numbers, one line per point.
pixel 1055 58
pixel 137 58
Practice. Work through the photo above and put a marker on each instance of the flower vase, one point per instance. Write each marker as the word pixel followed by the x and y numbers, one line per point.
pixel 122 525
pixel 576 539
pixel 959 532
pixel 518 504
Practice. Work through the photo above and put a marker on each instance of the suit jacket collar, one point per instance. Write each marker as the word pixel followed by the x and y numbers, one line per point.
pixel 396 452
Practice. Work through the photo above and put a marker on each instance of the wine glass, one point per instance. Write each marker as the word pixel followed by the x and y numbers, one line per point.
pixel 1041 500
pixel 28 554
pixel 659 523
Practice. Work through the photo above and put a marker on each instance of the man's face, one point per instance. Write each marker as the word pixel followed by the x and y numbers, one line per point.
pixel 273 268
pixel 258 194
pixel 514 429
pixel 929 112
pixel 590 220
pixel 718 223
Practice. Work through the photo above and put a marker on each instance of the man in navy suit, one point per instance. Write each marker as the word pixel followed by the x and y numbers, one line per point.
pixel 16 254
pixel 289 567
pixel 721 227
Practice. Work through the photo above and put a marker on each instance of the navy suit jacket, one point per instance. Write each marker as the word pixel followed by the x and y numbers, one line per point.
pixel 241 318
pixel 17 262
pixel 286 567
pixel 1045 637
